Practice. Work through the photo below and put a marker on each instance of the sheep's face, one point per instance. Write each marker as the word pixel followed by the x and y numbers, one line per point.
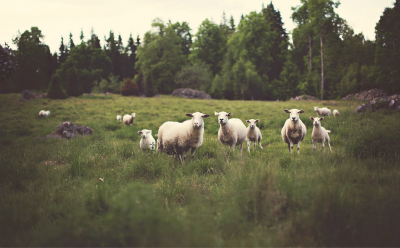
pixel 144 133
pixel 252 123
pixel 315 108
pixel 133 115
pixel 316 120
pixel 197 119
pixel 223 117
pixel 294 114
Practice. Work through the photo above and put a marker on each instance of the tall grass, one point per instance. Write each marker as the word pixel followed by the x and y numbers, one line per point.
pixel 51 194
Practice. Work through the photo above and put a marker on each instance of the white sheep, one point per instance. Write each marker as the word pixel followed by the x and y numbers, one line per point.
pixel 129 119
pixel 119 118
pixel 253 134
pixel 319 133
pixel 335 113
pixel 294 130
pixel 322 111
pixel 231 132
pixel 177 138
pixel 43 113
pixel 147 142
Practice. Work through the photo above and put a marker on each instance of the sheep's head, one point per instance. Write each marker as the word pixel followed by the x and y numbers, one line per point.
pixel 252 122
pixel 144 133
pixel 223 117
pixel 316 120
pixel 315 108
pixel 133 115
pixel 197 119
pixel 294 114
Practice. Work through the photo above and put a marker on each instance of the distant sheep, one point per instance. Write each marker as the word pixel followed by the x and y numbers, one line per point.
pixel 231 132
pixel 335 113
pixel 322 111
pixel 177 138
pixel 253 134
pixel 294 130
pixel 147 142
pixel 119 118
pixel 319 133
pixel 43 113
pixel 129 119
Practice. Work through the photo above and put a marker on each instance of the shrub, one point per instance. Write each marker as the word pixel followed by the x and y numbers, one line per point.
pixel 129 88
pixel 56 91
pixel 74 87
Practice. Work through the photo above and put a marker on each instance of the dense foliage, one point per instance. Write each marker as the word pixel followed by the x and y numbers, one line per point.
pixel 56 91
pixel 251 60
pixel 129 88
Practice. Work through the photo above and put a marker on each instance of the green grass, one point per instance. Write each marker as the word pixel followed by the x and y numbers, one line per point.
pixel 51 195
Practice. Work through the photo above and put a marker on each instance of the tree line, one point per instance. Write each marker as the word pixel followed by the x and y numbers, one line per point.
pixel 253 60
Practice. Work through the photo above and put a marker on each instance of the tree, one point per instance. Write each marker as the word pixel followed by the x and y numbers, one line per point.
pixel 209 46
pixel 197 76
pixel 387 60
pixel 56 91
pixel 63 53
pixel 74 87
pixel 7 65
pixel 129 88
pixel 81 37
pixel 71 42
pixel 160 58
pixel 183 31
pixel 94 40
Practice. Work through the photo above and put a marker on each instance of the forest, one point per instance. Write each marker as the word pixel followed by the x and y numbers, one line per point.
pixel 252 59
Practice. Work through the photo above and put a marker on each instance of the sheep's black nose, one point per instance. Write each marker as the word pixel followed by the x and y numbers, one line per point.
pixel 221 119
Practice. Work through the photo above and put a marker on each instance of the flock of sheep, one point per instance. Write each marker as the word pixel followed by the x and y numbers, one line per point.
pixel 177 138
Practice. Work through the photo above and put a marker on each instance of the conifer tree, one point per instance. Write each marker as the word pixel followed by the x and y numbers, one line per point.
pixel 82 36
pixel 71 42
pixel 63 53
pixel 74 87
pixel 56 91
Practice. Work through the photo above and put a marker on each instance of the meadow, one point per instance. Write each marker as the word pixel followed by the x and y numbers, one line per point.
pixel 51 195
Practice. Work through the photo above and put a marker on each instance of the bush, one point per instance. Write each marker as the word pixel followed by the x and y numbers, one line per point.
pixel 74 87
pixel 56 91
pixel 111 84
pixel 129 88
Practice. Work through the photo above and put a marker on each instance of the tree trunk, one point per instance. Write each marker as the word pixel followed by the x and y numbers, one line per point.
pixel 310 58
pixel 322 68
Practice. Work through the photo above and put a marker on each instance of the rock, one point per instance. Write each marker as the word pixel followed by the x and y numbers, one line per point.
pixel 158 95
pixel 307 97
pixel 360 108
pixel 392 103
pixel 189 93
pixel 367 95
pixel 29 95
pixel 68 130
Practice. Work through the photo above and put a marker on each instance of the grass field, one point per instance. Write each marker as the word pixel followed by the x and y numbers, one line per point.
pixel 50 194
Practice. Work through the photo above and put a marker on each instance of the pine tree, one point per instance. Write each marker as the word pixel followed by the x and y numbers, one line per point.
pixel 82 36
pixel 71 42
pixel 74 87
pixel 56 91
pixel 63 53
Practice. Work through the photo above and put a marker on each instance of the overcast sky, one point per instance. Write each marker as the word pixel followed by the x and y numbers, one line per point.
pixel 56 18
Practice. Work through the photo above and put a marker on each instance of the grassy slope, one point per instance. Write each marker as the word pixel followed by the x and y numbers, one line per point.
pixel 50 193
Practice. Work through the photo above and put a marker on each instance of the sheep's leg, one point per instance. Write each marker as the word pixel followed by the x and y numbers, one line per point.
pixel 255 142
pixel 298 148
pixel 329 145
pixel 323 144
pixel 181 160
pixel 241 149
pixel 192 153
pixel 248 145
pixel 291 147
pixel 314 145
pixel 259 143
pixel 288 146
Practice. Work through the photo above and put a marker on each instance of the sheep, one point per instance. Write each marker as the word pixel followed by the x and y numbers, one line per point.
pixel 335 113
pixel 129 119
pixel 177 138
pixel 43 113
pixel 253 134
pixel 319 133
pixel 147 141
pixel 119 118
pixel 231 132
pixel 294 130
pixel 322 111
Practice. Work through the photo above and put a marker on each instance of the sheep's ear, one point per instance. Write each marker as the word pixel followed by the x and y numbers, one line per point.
pixel 257 120
pixel 215 113
pixel 321 118
pixel 151 131
pixel 287 111
pixel 312 118
pixel 302 111
pixel 139 132
pixel 205 116
pixel 248 121
pixel 190 115
pixel 230 113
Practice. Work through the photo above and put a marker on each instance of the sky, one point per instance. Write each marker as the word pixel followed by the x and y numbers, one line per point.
pixel 59 18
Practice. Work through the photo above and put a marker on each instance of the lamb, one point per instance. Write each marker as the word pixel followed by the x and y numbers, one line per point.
pixel 177 138
pixel 319 133
pixel 294 130
pixel 253 134
pixel 335 113
pixel 147 142
pixel 322 111
pixel 129 119
pixel 43 113
pixel 119 118
pixel 231 132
